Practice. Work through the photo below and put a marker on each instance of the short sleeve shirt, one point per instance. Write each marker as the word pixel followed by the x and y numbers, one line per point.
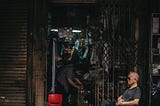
pixel 131 94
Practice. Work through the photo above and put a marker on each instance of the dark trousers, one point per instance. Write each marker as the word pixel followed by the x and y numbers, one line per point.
pixel 73 97
pixel 69 98
pixel 108 103
pixel 60 89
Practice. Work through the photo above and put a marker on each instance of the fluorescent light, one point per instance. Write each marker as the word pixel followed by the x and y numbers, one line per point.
pixel 56 30
pixel 76 30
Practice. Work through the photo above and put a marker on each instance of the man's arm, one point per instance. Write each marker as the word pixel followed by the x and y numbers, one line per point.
pixel 73 83
pixel 78 81
pixel 133 102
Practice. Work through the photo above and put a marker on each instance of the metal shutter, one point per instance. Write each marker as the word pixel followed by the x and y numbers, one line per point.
pixel 13 52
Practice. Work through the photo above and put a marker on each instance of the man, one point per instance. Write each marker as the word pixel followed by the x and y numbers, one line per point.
pixel 131 95
pixel 66 81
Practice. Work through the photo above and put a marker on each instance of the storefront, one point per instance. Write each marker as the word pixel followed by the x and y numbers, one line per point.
pixel 112 37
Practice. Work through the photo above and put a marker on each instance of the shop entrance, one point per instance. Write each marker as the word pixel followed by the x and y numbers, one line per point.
pixel 100 40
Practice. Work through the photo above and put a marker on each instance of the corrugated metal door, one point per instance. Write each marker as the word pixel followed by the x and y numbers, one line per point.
pixel 13 52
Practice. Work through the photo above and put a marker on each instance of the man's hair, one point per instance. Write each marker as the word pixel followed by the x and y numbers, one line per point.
pixel 135 75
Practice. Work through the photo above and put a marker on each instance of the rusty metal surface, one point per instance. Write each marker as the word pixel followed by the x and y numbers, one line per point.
pixel 13 52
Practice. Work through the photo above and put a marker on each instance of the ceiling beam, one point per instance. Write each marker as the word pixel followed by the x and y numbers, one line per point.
pixel 72 1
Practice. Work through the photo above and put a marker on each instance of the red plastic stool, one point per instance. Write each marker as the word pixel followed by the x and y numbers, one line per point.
pixel 55 100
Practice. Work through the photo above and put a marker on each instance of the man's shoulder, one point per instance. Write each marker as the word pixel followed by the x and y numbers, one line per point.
pixel 138 88
pixel 135 89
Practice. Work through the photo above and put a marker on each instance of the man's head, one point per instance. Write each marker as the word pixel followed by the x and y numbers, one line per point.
pixel 133 78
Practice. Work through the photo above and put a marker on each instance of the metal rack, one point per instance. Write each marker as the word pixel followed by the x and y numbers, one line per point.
pixel 154 53
pixel 117 45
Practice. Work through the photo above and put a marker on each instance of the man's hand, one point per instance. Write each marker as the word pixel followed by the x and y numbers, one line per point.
pixel 120 102
pixel 130 103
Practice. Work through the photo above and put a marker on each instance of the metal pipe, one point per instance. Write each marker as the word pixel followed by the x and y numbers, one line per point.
pixel 53 67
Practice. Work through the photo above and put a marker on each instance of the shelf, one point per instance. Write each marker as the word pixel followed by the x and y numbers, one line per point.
pixel 156 54
pixel 155 75
pixel 155 13
pixel 155 46
pixel 154 49
pixel 155 24
pixel 154 34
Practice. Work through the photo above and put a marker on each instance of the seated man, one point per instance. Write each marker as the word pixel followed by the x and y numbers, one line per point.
pixel 131 95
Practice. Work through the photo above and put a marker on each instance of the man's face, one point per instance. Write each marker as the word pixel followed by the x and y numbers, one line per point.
pixel 131 79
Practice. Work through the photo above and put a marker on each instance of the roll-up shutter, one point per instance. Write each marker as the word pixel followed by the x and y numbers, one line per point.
pixel 13 52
